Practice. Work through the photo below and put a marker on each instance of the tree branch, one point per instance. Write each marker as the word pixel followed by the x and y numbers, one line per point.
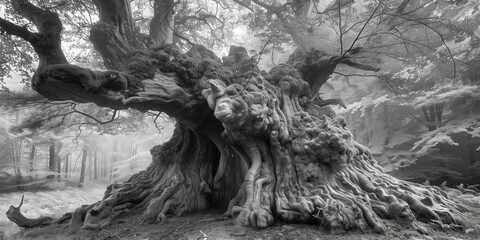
pixel 46 21
pixel 47 42
pixel 354 64
pixel 340 26
pixel 95 119
pixel 13 29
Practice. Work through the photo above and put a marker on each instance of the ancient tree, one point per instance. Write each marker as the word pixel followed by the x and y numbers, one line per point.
pixel 259 144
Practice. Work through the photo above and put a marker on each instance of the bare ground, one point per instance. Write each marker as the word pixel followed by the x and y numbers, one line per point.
pixel 212 225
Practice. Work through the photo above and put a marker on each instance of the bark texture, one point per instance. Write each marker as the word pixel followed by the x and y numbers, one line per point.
pixel 161 26
pixel 257 143
pixel 15 215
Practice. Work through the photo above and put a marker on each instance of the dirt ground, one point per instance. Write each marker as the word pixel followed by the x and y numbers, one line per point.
pixel 213 226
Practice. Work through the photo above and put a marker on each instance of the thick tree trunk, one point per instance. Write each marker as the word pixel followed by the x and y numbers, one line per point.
pixel 161 26
pixel 114 35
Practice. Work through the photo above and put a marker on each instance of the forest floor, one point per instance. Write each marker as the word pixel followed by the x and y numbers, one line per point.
pixel 53 200
pixel 208 225
pixel 212 225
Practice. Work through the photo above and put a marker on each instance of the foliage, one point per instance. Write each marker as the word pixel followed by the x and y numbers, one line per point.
pixel 433 76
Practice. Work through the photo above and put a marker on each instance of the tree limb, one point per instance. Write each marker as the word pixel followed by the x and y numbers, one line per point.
pixel 354 64
pixel 13 29
pixel 46 21
pixel 95 119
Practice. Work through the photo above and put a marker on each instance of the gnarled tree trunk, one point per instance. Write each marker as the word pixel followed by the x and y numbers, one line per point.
pixel 258 144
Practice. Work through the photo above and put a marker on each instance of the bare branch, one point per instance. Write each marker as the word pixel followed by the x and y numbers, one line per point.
pixel 441 38
pixel 354 64
pixel 95 119
pixel 363 28
pixel 21 202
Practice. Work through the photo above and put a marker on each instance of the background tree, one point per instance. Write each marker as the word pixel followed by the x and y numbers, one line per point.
pixel 416 119
pixel 64 127
pixel 260 145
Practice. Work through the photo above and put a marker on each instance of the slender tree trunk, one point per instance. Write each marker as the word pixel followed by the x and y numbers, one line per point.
pixel 369 123
pixel 433 116
pixel 67 165
pixel 18 163
pixel 14 156
pixel 113 159
pixel 105 169
pixel 31 160
pixel 90 174
pixel 59 168
pixel 439 112
pixel 100 165
pixel 75 165
pixel 82 171
pixel 385 119
pixel 133 152
pixel 429 119
pixel 58 147
pixel 16 148
pixel 431 110
pixel 95 164
pixel 51 162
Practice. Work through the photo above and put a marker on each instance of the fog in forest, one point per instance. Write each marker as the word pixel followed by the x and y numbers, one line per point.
pixel 417 110
pixel 58 171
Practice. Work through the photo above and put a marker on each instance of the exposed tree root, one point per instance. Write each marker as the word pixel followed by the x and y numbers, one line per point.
pixel 176 182
pixel 311 167
pixel 15 215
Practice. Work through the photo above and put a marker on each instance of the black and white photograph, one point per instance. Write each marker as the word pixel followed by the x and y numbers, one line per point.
pixel 240 119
